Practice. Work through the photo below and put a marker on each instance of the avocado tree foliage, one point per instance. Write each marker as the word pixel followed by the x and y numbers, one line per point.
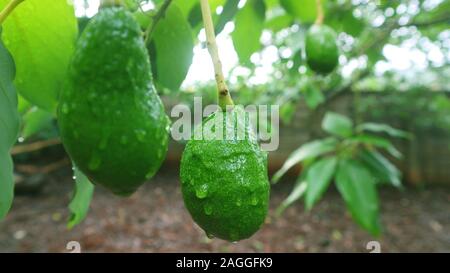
pixel 39 39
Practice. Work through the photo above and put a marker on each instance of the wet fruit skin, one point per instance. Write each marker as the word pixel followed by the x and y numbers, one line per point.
pixel 322 52
pixel 111 120
pixel 225 184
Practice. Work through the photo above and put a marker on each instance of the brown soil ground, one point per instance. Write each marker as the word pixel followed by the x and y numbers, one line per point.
pixel 155 220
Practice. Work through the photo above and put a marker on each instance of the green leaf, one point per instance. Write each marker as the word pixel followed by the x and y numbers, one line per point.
pixel 383 128
pixel 306 151
pixel 229 11
pixel 195 14
pixel 304 10
pixel 337 124
pixel 9 128
pixel 23 106
pixel 249 25
pixel 278 23
pixel 186 6
pixel 41 37
pixel 344 20
pixel 79 206
pixel 34 121
pixel 376 141
pixel 384 170
pixel 174 44
pixel 313 96
pixel 318 177
pixel 358 190
pixel 297 193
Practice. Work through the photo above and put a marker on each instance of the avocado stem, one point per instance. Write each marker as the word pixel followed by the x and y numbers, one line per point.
pixel 320 13
pixel 224 97
pixel 8 10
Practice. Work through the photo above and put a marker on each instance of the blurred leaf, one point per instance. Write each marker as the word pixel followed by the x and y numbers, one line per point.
pixel 132 5
pixel 297 62
pixel 357 188
pixel 186 6
pixel 304 10
pixel 229 11
pixel 297 193
pixel 143 18
pixel 9 128
pixel 345 21
pixel 174 45
pixel 376 141
pixel 383 128
pixel 384 170
pixel 79 206
pixel 337 124
pixel 249 25
pixel 440 11
pixel 306 151
pixel 34 121
pixel 195 14
pixel 287 112
pixel 318 177
pixel 41 37
pixel 278 23
pixel 23 106
pixel 313 96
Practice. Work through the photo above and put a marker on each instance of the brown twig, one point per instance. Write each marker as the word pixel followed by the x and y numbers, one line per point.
pixel 33 169
pixel 35 146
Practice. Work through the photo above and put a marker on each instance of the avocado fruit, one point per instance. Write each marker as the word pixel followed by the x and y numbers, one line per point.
pixel 322 52
pixel 111 119
pixel 224 177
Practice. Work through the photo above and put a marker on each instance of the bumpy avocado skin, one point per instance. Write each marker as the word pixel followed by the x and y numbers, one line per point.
pixel 111 120
pixel 225 183
pixel 322 52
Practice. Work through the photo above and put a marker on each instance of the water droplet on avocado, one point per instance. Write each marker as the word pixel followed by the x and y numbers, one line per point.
pixel 92 96
pixel 208 209
pixel 76 134
pixel 202 191
pixel 150 174
pixel 104 142
pixel 124 140
pixel 239 202
pixel 140 135
pixel 65 108
pixel 234 237
pixel 254 201
pixel 95 162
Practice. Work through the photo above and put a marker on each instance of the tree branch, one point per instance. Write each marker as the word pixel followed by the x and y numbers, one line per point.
pixel 320 14
pixel 444 19
pixel 224 94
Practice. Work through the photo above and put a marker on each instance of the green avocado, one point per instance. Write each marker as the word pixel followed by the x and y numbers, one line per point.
pixel 322 52
pixel 111 120
pixel 224 180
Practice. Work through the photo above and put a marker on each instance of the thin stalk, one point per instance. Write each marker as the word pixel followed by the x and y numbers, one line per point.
pixel 320 14
pixel 222 88
pixel 8 10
